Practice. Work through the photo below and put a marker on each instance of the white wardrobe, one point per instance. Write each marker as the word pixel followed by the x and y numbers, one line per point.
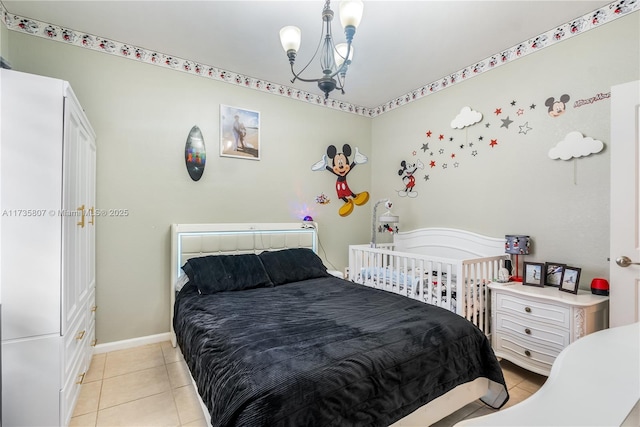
pixel 47 267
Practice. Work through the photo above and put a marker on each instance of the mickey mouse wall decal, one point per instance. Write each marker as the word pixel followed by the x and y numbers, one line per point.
pixel 341 168
pixel 557 108
pixel 406 172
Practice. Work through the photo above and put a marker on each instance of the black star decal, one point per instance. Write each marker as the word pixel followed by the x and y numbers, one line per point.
pixel 426 177
pixel 450 138
pixel 461 145
pixel 471 144
pixel 425 147
pixel 513 103
pixel 487 125
pixel 532 106
pixel 480 138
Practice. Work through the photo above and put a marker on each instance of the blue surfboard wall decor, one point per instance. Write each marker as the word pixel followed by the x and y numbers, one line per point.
pixel 194 153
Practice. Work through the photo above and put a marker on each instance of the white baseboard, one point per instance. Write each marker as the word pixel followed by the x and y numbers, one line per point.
pixel 130 343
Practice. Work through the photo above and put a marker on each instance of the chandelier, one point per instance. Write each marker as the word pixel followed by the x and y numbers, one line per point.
pixel 334 60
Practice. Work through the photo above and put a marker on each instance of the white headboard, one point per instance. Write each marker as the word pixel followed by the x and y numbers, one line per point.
pixel 196 240
pixel 448 243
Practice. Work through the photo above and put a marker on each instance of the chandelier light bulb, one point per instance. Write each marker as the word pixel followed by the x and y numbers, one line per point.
pixel 290 37
pixel 341 53
pixel 351 13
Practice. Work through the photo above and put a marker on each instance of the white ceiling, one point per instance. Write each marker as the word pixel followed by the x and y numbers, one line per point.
pixel 399 46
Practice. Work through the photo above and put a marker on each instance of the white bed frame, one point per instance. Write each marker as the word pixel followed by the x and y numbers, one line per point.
pixel 448 259
pixel 194 240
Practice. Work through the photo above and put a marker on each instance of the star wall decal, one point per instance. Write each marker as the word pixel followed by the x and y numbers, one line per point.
pixel 425 147
pixel 441 137
pixel 428 134
pixel 513 103
pixel 506 122
pixel 493 143
pixel 520 112
pixel 525 128
pixel 474 153
pixel 432 164
pixel 426 177
pixel 498 111
pixel 532 106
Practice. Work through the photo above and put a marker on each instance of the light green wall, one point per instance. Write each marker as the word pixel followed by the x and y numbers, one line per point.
pixel 142 115
pixel 515 188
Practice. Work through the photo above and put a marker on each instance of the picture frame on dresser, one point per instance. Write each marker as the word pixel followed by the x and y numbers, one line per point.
pixel 570 279
pixel 553 273
pixel 533 274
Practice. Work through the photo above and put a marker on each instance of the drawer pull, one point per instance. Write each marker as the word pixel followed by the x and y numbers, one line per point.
pixel 527 309
pixel 80 335
pixel 80 378
pixel 94 342
pixel 527 353
pixel 94 308
pixel 527 331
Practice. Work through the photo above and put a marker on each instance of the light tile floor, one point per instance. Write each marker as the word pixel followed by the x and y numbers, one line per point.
pixel 150 385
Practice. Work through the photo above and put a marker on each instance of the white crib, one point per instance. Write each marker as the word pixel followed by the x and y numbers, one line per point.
pixel 445 267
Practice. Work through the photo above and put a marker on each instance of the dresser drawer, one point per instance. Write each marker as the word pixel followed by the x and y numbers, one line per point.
pixel 71 389
pixel 543 312
pixel 530 330
pixel 74 343
pixel 534 358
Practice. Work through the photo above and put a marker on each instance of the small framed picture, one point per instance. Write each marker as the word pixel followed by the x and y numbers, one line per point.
pixel 570 280
pixel 553 273
pixel 533 274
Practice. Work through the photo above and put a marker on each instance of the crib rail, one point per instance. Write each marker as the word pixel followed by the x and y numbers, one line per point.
pixel 456 285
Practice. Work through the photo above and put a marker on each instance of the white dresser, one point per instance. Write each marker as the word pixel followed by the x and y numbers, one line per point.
pixel 530 325
pixel 47 202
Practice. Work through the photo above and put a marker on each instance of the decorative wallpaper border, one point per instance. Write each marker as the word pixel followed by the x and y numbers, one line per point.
pixel 577 26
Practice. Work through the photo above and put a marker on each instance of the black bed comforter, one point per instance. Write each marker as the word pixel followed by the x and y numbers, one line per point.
pixel 326 352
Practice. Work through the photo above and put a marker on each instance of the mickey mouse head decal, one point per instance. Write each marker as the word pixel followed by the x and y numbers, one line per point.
pixel 557 108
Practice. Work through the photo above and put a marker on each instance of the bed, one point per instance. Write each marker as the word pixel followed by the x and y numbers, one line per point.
pixel 295 345
pixel 445 267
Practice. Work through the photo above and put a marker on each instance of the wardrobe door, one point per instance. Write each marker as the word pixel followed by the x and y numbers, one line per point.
pixel 31 167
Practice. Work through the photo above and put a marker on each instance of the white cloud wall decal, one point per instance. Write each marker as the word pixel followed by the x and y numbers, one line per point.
pixel 575 145
pixel 466 117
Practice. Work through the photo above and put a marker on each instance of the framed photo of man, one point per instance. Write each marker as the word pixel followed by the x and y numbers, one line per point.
pixel 239 133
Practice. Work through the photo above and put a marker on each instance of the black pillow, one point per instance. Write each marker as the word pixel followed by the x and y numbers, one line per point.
pixel 218 273
pixel 292 265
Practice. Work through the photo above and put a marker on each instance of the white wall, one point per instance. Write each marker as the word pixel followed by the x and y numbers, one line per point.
pixel 514 187
pixel 142 115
